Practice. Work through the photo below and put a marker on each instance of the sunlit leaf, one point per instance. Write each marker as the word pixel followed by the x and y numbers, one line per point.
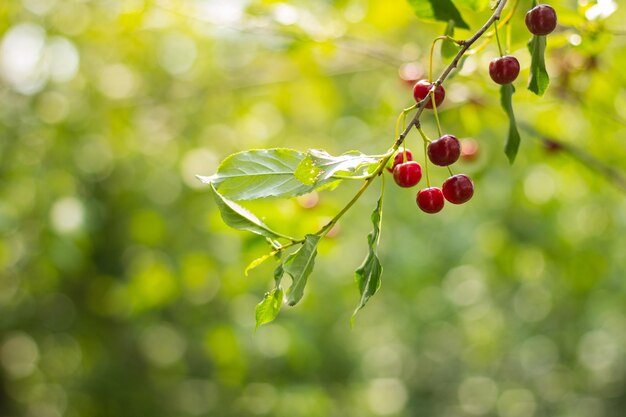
pixel 449 49
pixel 513 139
pixel 368 275
pixel 239 218
pixel 299 266
pixel 258 174
pixel 441 10
pixel 539 78
pixel 258 261
pixel 318 167
pixel 269 307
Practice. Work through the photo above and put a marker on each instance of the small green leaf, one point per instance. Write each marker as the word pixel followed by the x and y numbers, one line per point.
pixel 299 266
pixel 318 167
pixel 449 49
pixel 278 274
pixel 539 78
pixel 513 140
pixel 259 173
pixel 368 275
pixel 258 261
pixel 268 308
pixel 239 218
pixel 475 5
pixel 441 10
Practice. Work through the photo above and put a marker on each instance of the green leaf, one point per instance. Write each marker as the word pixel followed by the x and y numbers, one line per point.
pixel 441 10
pixel 239 218
pixel 278 274
pixel 368 275
pixel 475 5
pixel 539 78
pixel 258 261
pixel 449 49
pixel 258 174
pixel 268 308
pixel 318 167
pixel 513 140
pixel 299 266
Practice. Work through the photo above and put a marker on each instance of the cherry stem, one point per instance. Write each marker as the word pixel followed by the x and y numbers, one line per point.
pixel 426 142
pixel 490 35
pixel 415 121
pixel 508 36
pixel 432 51
pixel 466 45
pixel 436 113
pixel 495 25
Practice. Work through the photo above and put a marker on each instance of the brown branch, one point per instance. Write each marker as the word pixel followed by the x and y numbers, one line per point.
pixel 415 121
pixel 466 44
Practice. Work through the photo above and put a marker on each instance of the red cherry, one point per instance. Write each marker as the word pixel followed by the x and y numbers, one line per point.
pixel 430 200
pixel 407 174
pixel 541 20
pixel 458 189
pixel 504 70
pixel 421 89
pixel 399 158
pixel 444 151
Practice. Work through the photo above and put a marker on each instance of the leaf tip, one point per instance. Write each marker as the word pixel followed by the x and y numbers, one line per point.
pixel 204 179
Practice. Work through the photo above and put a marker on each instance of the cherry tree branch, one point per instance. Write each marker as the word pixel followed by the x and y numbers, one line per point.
pixel 415 121
pixel 465 46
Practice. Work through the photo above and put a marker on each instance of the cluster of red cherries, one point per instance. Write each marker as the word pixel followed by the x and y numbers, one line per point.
pixel 445 151
pixel 540 21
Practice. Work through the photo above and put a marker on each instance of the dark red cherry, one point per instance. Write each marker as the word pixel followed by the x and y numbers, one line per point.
pixel 407 174
pixel 421 89
pixel 444 151
pixel 399 158
pixel 541 19
pixel 504 70
pixel 458 189
pixel 430 200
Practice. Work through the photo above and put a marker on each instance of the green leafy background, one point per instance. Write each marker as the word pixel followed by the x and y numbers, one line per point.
pixel 122 291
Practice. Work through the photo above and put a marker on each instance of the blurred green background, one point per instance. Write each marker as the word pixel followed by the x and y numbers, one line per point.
pixel 122 293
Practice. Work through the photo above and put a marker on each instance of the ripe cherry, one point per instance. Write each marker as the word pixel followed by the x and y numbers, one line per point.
pixel 458 189
pixel 399 158
pixel 407 174
pixel 421 89
pixel 504 70
pixel 444 151
pixel 430 200
pixel 541 19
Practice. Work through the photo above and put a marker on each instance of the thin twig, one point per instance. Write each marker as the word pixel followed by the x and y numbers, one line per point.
pixel 415 122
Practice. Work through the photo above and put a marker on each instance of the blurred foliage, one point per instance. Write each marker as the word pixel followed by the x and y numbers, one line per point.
pixel 122 292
